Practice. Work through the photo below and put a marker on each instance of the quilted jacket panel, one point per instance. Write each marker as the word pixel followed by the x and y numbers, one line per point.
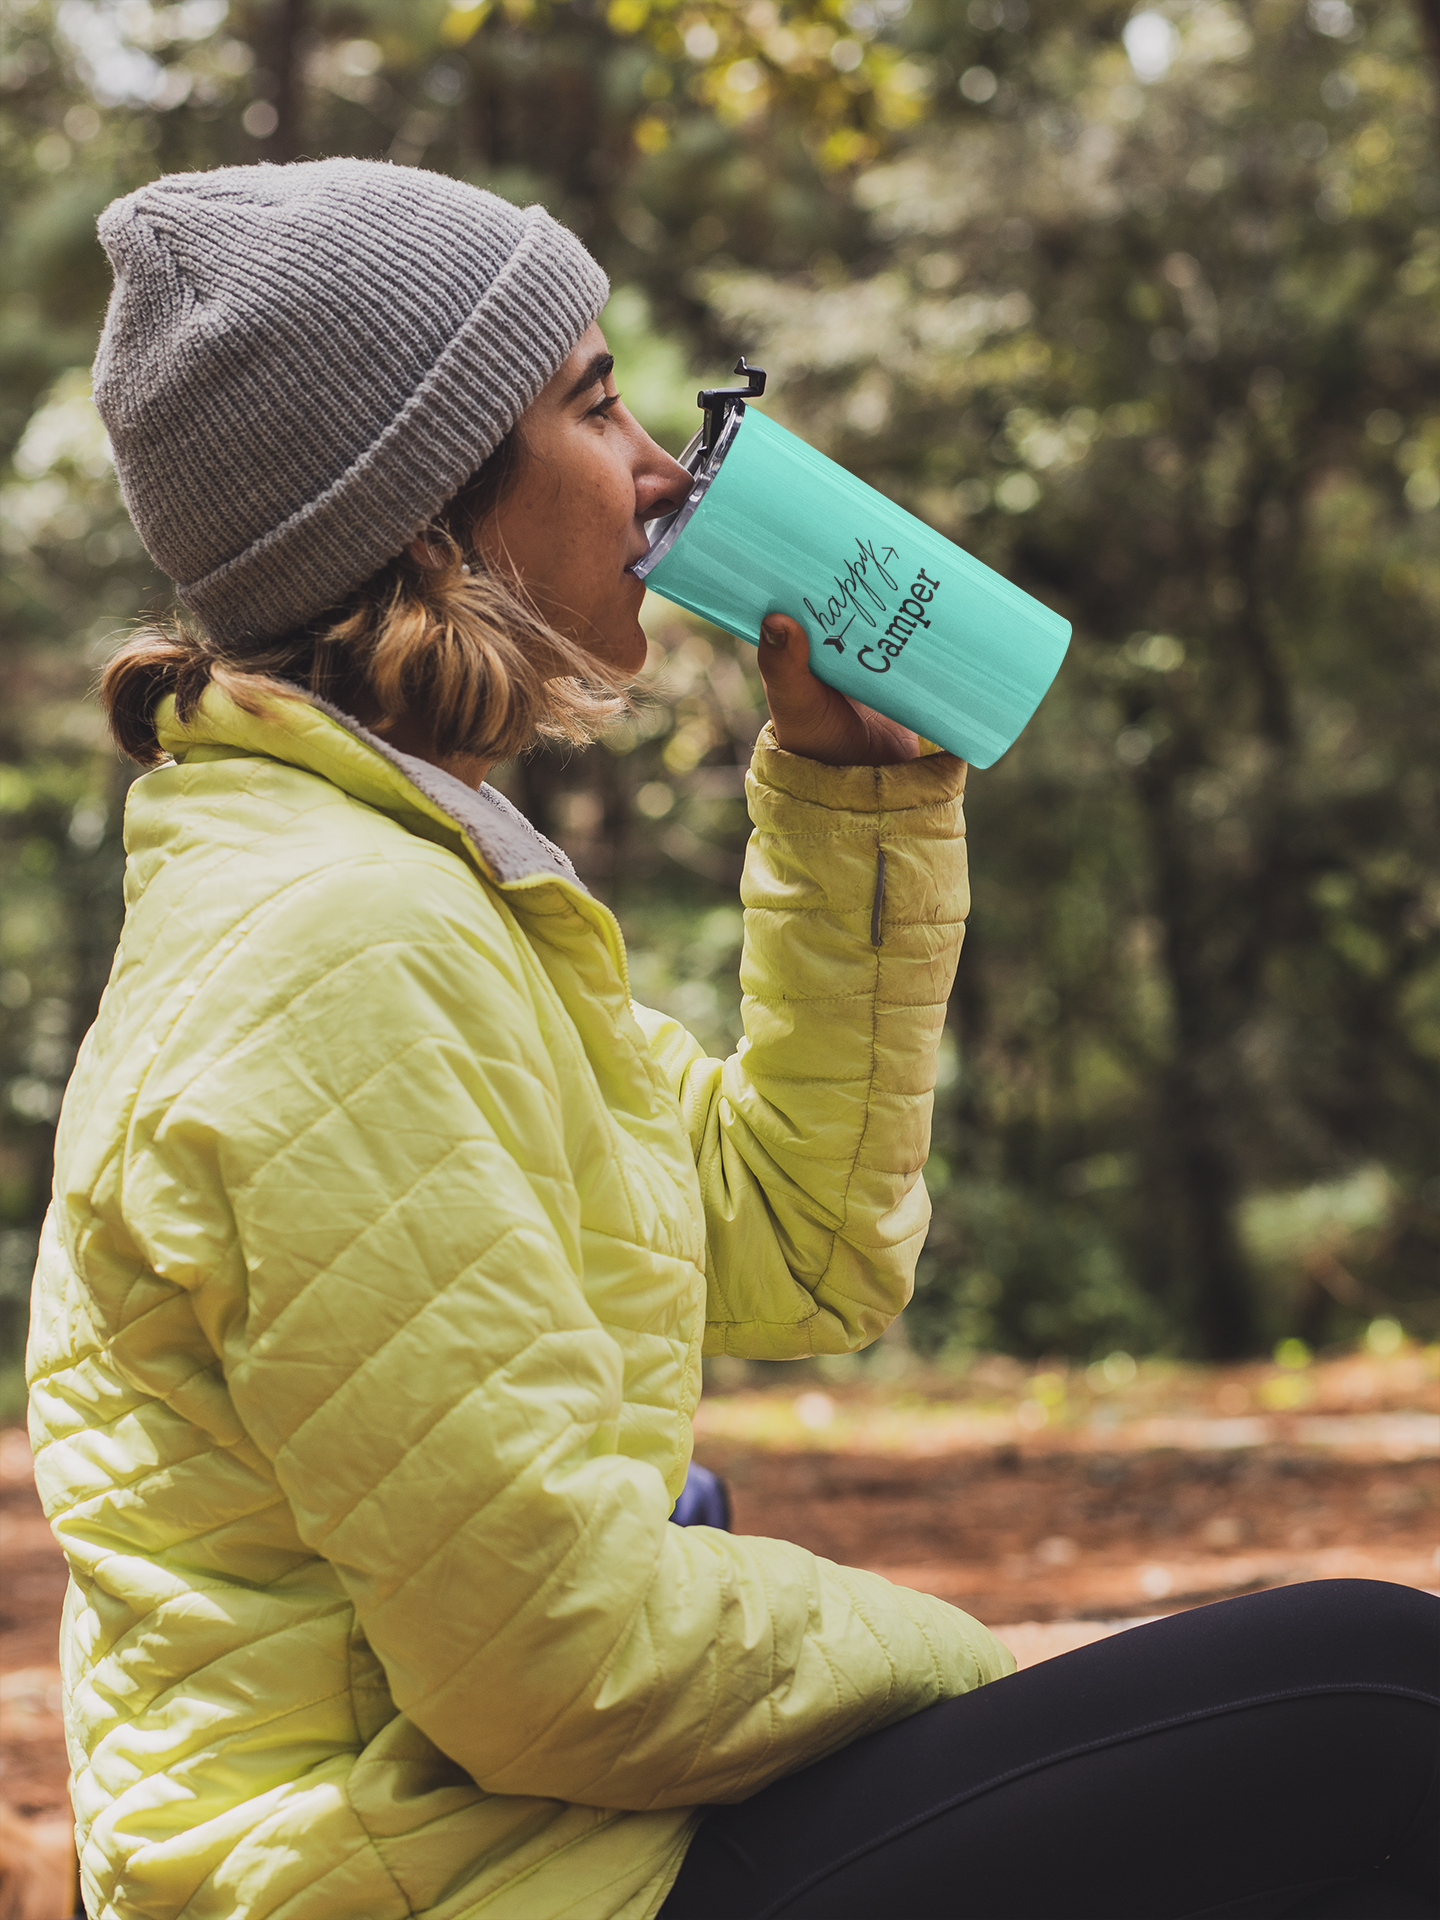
pixel 385 1240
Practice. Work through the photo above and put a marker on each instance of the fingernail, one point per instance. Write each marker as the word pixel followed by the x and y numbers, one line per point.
pixel 772 636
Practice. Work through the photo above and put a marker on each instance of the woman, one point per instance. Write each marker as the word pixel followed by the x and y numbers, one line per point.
pixel 387 1233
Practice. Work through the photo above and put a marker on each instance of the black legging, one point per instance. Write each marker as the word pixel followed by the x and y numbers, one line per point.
pixel 1278 1754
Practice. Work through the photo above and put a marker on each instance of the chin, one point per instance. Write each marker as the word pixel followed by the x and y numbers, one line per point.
pixel 616 636
pixel 630 657
pixel 630 647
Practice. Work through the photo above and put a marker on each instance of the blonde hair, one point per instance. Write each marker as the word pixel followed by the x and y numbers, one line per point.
pixel 460 647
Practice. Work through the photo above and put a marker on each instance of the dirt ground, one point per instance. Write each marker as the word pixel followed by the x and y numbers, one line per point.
pixel 1055 1504
pixel 1072 1496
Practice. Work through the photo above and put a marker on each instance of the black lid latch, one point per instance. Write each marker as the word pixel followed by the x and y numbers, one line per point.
pixel 718 401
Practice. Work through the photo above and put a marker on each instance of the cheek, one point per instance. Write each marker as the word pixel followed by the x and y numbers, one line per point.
pixel 568 526
pixel 611 489
pixel 596 530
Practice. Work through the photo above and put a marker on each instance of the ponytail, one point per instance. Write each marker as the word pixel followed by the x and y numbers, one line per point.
pixel 158 660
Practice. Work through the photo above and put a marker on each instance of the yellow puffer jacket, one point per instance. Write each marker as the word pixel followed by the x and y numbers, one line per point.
pixel 385 1241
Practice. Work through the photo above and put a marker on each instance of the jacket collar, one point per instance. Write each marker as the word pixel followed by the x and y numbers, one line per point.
pixel 308 732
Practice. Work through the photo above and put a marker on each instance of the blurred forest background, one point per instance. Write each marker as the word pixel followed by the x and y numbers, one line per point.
pixel 1143 307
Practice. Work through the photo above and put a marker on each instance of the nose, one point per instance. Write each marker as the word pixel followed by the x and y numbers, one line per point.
pixel 661 483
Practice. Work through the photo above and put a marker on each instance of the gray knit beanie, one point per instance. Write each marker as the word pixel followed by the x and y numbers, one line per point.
pixel 302 363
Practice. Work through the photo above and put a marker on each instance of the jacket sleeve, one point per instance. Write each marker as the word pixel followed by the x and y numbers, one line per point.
pixel 397 1303
pixel 811 1137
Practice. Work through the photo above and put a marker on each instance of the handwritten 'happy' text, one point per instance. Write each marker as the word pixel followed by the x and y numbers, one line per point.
pixel 855 594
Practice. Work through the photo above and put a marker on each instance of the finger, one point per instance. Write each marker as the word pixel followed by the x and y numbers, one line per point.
pixel 784 652
pixel 810 717
pixel 813 718
pixel 790 686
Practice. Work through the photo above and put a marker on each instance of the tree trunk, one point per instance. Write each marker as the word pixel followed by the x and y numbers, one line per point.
pixel 285 51
pixel 1194 1090
pixel 1225 1304
pixel 1429 11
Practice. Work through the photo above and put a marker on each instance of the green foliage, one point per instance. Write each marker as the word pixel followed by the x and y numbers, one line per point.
pixel 1142 310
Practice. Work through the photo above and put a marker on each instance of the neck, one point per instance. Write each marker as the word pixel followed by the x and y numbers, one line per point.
pixel 410 735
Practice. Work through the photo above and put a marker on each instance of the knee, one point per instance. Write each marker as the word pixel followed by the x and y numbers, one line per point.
pixel 1361 1632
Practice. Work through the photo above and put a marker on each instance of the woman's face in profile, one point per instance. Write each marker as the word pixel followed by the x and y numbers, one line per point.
pixel 573 521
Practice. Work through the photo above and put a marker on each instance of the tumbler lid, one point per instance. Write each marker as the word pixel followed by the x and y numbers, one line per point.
pixel 718 403
pixel 704 462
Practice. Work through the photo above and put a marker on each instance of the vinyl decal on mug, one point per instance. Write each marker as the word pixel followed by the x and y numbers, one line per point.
pixel 849 587
pixel 856 575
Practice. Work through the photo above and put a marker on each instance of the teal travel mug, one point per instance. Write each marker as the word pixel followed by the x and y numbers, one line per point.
pixel 897 616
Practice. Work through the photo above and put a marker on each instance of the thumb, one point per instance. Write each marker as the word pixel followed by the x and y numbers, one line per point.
pixel 814 719
pixel 810 717
pixel 784 651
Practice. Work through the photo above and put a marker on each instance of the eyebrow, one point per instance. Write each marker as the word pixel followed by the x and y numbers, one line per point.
pixel 599 369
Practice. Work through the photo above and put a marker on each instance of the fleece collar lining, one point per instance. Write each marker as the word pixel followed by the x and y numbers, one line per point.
pixel 509 845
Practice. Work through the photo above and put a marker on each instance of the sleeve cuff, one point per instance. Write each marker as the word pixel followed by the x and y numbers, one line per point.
pixel 929 781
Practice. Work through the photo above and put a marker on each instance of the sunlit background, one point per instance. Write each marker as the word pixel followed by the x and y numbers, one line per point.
pixel 1142 307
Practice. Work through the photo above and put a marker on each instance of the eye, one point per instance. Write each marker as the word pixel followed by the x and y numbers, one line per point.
pixel 602 407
